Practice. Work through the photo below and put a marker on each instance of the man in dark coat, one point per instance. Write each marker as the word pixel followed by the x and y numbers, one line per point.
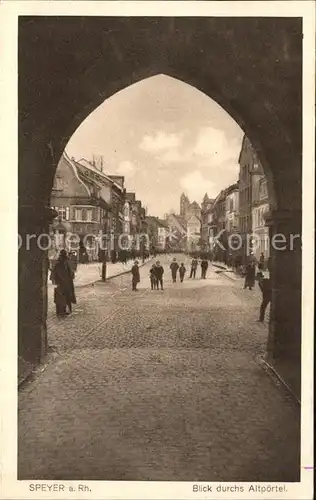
pixel 62 276
pixel 265 287
pixel 153 277
pixel 159 270
pixel 194 264
pixel 135 276
pixel 182 271
pixel 250 275
pixel 250 271
pixel 204 266
pixel 261 261
pixel 174 266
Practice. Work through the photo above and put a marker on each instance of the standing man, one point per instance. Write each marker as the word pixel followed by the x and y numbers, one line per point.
pixel 204 266
pixel 64 293
pixel 182 271
pixel 265 287
pixel 193 268
pixel 250 275
pixel 135 276
pixel 153 277
pixel 174 266
pixel 261 261
pixel 159 270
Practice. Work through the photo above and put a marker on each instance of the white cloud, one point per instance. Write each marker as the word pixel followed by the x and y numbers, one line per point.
pixel 160 141
pixel 212 148
pixel 126 168
pixel 173 156
pixel 196 185
pixel 215 148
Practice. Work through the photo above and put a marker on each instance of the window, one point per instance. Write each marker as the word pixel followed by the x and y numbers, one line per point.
pixel 78 214
pixel 63 213
pixel 263 190
pixel 58 184
pixel 96 215
pixel 126 210
pixel 89 215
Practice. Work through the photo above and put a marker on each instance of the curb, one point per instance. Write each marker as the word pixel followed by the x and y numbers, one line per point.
pixel 36 370
pixel 274 374
pixel 225 271
pixel 111 277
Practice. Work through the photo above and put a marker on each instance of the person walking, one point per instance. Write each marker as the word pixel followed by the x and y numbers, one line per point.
pixel 182 271
pixel 250 275
pixel 73 262
pixel 261 261
pixel 204 266
pixel 265 287
pixel 153 277
pixel 174 266
pixel 62 276
pixel 238 263
pixel 135 276
pixel 159 271
pixel 194 264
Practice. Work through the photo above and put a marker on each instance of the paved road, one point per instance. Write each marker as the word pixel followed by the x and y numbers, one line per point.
pixel 158 385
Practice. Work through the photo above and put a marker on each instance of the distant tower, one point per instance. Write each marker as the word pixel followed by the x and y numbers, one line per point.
pixel 184 204
pixel 205 201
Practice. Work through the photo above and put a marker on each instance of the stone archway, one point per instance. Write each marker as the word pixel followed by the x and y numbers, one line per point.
pixel 251 67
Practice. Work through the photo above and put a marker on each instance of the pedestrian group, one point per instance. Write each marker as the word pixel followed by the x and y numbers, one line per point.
pixel 62 276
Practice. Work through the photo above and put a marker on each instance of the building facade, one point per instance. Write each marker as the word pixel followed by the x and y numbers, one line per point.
pixel 218 234
pixel 232 223
pixel 177 232
pixel 157 231
pixel 206 221
pixel 260 207
pixel 250 172
pixel 83 207
pixel 111 188
pixel 232 209
pixel 193 234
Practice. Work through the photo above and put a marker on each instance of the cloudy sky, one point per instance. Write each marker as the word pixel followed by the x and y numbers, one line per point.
pixel 166 138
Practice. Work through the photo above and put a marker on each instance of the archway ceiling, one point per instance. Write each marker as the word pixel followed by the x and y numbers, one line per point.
pixel 251 67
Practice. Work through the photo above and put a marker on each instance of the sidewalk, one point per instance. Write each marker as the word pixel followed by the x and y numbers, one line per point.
pixel 90 273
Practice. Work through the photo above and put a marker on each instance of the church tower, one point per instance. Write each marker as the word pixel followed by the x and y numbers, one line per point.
pixel 184 204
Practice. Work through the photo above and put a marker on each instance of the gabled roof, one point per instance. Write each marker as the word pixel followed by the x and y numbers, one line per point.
pixel 86 164
pixel 162 223
pixel 181 220
pixel 130 196
pixel 193 216
pixel 195 205
pixel 73 166
pixel 232 187
pixel 243 145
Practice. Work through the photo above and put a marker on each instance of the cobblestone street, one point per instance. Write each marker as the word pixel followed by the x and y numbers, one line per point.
pixel 158 385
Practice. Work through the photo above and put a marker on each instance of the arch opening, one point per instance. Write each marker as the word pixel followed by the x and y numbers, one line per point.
pixel 250 94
